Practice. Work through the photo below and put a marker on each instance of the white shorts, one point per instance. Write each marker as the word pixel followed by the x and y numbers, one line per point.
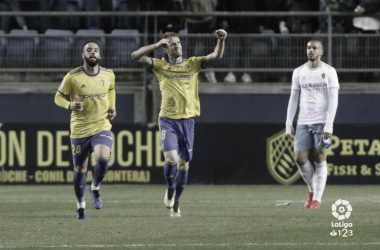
pixel 310 136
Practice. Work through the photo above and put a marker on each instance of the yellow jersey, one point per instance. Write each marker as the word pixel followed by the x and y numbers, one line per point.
pixel 92 90
pixel 179 87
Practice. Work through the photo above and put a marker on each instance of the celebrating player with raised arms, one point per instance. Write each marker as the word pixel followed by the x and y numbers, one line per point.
pixel 315 86
pixel 178 80
pixel 92 92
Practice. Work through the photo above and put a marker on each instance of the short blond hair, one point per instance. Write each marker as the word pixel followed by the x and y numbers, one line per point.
pixel 168 35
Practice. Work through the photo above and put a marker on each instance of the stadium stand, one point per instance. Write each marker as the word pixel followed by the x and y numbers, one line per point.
pixel 262 50
pixel 74 22
pixel 55 51
pixel 21 50
pixel 2 48
pixel 119 49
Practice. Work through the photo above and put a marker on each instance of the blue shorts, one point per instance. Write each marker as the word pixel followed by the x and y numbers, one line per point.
pixel 309 136
pixel 81 148
pixel 178 134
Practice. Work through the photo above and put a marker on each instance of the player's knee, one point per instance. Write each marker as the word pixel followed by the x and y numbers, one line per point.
pixel 301 161
pixel 319 157
pixel 170 158
pixel 171 163
pixel 183 167
pixel 81 168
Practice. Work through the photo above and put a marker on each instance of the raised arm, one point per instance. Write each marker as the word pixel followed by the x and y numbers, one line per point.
pixel 140 54
pixel 218 51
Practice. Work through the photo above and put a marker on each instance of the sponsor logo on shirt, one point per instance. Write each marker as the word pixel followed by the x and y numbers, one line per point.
pixel 314 86
pixel 178 76
pixel 102 95
pixel 83 86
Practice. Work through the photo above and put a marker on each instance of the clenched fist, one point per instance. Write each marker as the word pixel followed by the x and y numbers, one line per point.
pixel 221 34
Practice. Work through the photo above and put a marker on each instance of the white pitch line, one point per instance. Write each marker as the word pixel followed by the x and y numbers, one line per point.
pixel 188 201
pixel 197 245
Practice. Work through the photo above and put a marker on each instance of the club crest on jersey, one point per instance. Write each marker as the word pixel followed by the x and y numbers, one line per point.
pixel 280 159
pixel 323 75
pixel 102 82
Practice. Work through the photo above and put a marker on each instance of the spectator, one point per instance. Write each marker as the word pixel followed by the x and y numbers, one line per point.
pixel 272 23
pixel 366 24
pixel 105 23
pixel 53 22
pixel 340 24
pixel 368 55
pixel 129 22
pixel 238 25
pixel 199 24
pixel 302 24
pixel 11 5
pixel 164 23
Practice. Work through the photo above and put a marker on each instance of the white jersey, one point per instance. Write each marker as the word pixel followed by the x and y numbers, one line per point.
pixel 314 84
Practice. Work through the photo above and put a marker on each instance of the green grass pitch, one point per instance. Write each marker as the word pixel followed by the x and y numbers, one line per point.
pixel 213 217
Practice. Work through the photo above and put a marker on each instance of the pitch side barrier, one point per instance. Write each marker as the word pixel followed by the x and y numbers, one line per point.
pixel 223 154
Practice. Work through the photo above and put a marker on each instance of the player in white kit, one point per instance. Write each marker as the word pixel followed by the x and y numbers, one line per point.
pixel 315 86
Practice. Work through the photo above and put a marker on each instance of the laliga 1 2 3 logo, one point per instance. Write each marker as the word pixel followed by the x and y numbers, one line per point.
pixel 341 210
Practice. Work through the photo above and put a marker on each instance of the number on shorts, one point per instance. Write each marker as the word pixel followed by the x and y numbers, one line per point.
pixel 77 150
pixel 163 135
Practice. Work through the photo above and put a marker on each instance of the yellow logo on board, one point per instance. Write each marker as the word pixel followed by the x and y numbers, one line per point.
pixel 280 159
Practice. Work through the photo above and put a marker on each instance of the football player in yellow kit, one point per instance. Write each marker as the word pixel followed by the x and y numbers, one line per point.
pixel 92 93
pixel 178 80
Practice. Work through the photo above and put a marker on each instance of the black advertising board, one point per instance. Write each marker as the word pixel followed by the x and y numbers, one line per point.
pixel 223 154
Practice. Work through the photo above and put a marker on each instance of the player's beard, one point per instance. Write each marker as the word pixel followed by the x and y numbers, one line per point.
pixel 312 59
pixel 91 62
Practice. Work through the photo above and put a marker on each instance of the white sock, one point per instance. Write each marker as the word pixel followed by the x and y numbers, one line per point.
pixel 94 187
pixel 319 180
pixel 307 172
pixel 81 204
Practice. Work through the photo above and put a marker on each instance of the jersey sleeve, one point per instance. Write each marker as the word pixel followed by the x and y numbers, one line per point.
pixel 333 79
pixel 156 65
pixel 65 87
pixel 295 81
pixel 112 85
pixel 111 93
pixel 197 63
